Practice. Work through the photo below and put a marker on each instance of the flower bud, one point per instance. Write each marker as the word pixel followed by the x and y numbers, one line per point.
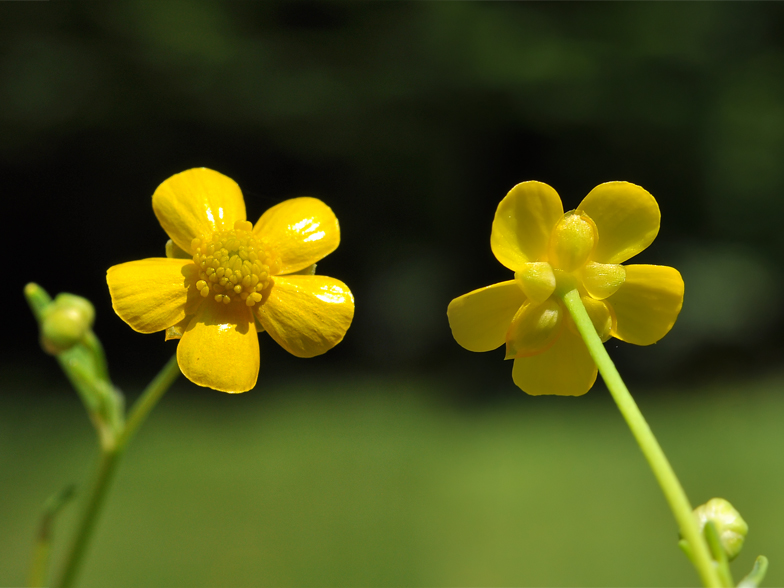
pixel 731 528
pixel 66 322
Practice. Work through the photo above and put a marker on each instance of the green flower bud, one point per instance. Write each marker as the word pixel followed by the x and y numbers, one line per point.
pixel 65 322
pixel 732 529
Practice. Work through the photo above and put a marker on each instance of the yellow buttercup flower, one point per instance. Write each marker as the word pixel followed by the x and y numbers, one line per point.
pixel 550 253
pixel 225 279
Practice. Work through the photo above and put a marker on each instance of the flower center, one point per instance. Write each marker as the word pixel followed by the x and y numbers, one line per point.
pixel 234 265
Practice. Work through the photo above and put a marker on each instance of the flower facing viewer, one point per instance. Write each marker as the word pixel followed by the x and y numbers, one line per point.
pixel 225 279
pixel 551 253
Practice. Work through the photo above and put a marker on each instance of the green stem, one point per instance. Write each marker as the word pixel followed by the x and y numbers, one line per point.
pixel 665 475
pixel 107 465
pixel 149 398
pixel 106 468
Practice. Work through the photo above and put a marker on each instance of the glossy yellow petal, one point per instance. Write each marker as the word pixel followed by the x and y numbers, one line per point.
pixel 197 202
pixel 220 348
pixel 627 218
pixel 480 319
pixel 152 294
pixel 523 223
pixel 300 231
pixel 647 303
pixel 307 315
pixel 565 369
pixel 534 329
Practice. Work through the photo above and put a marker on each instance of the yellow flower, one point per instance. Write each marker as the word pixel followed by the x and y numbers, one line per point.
pixel 552 252
pixel 224 280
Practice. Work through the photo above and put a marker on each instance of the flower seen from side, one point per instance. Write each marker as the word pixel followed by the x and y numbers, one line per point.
pixel 224 279
pixel 552 252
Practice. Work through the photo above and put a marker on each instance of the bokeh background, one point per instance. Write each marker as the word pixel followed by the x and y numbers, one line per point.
pixel 398 458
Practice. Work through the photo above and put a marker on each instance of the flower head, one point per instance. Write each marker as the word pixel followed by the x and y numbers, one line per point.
pixel 551 252
pixel 225 279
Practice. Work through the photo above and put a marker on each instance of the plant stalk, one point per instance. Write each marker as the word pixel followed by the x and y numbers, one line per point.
pixel 665 475
pixel 107 466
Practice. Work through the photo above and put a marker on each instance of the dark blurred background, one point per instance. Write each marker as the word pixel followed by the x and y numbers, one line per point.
pixel 412 121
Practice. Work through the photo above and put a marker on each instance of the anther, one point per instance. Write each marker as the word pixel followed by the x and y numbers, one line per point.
pixel 233 265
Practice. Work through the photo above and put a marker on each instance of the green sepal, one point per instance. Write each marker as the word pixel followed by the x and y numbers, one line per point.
pixel 719 553
pixel 39 569
pixel 38 299
pixel 757 573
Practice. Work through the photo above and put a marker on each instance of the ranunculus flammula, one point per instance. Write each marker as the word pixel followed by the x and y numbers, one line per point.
pixel 225 279
pixel 550 253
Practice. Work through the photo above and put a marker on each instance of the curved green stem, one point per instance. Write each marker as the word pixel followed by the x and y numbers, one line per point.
pixel 665 475
pixel 107 465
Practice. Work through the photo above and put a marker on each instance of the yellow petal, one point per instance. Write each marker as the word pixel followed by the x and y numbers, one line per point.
pixel 197 202
pixel 523 223
pixel 152 294
pixel 220 348
pixel 534 329
pixel 301 231
pixel 307 315
pixel 627 218
pixel 647 303
pixel 480 319
pixel 566 369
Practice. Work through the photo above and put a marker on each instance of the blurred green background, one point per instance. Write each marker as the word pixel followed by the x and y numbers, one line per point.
pixel 398 458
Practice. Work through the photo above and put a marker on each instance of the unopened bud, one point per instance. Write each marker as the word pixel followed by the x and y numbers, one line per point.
pixel 66 322
pixel 731 528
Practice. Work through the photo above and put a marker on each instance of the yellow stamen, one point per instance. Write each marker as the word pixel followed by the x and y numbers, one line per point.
pixel 234 265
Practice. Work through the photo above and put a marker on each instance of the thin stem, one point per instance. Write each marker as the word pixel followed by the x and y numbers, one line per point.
pixel 665 475
pixel 149 398
pixel 107 465
pixel 106 468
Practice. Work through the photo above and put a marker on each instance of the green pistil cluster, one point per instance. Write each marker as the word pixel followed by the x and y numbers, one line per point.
pixel 234 265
